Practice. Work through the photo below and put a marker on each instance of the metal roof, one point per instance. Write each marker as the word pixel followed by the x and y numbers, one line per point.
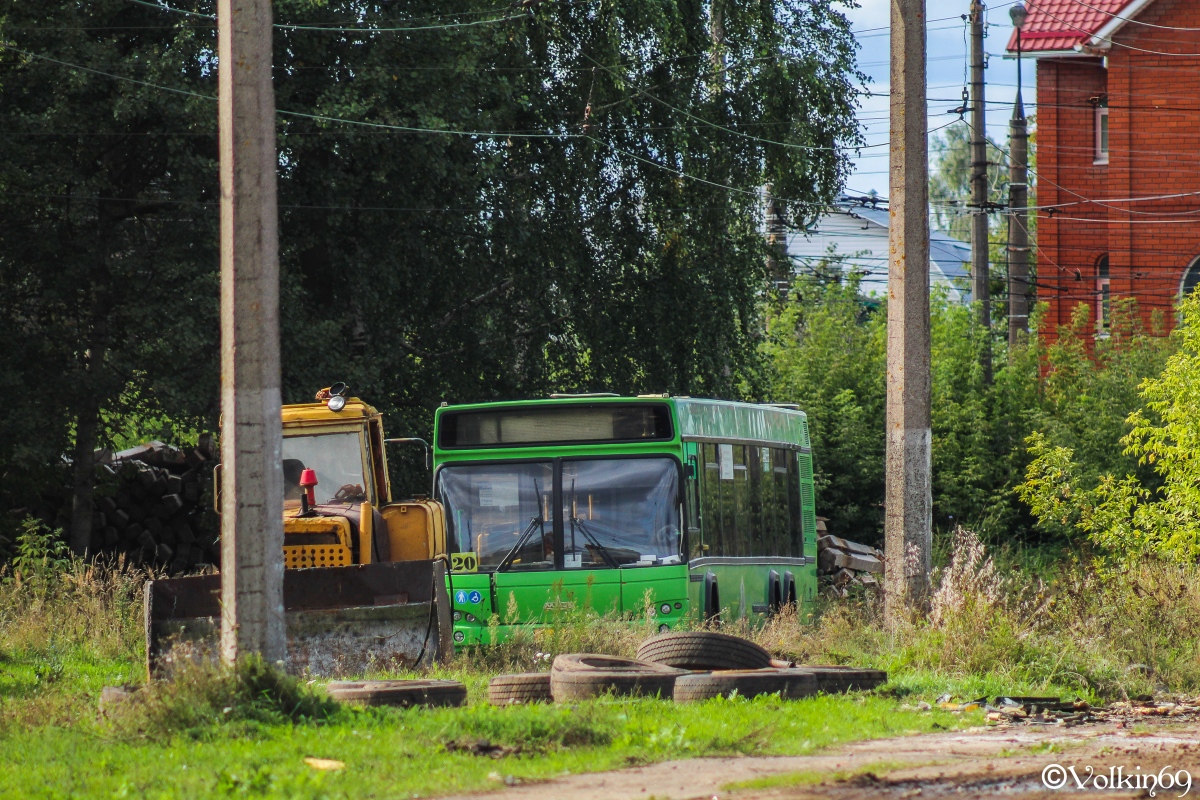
pixel 950 255
pixel 1057 25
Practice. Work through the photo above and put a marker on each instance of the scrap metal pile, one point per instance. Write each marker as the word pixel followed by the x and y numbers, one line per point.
pixel 153 505
pixel 843 565
pixel 1005 711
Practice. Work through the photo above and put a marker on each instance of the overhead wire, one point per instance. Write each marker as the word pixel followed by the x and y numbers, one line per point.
pixel 345 29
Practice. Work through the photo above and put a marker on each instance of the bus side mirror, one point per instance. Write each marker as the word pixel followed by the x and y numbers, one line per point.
pixel 690 469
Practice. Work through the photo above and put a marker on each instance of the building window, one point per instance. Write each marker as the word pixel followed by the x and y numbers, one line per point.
pixel 1102 131
pixel 1103 307
pixel 1191 279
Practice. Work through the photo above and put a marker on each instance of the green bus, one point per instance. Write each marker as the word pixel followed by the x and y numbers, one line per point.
pixel 702 507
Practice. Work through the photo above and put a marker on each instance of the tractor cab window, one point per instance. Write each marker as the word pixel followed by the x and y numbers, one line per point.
pixel 337 459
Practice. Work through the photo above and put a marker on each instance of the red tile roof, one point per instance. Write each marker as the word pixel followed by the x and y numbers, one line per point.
pixel 1062 24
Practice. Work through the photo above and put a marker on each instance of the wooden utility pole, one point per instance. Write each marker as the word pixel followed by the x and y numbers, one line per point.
pixel 908 520
pixel 979 187
pixel 251 432
pixel 1018 199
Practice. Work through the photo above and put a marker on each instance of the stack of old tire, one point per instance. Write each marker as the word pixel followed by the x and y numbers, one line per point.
pixel 153 505
pixel 686 666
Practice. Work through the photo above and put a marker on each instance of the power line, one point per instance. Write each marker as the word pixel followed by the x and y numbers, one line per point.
pixel 359 29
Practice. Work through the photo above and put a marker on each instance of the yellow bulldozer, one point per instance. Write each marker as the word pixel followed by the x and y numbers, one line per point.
pixel 365 575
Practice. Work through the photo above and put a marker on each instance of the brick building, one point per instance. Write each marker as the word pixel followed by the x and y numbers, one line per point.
pixel 1118 152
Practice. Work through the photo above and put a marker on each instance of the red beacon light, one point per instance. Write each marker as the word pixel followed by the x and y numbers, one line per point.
pixel 308 482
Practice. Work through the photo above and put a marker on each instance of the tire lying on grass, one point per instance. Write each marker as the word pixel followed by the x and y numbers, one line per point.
pixel 703 650
pixel 532 687
pixel 398 693
pixel 790 684
pixel 836 680
pixel 585 675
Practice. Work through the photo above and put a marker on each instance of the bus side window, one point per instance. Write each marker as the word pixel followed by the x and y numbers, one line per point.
pixel 741 503
pixel 795 512
pixel 779 474
pixel 759 539
pixel 710 500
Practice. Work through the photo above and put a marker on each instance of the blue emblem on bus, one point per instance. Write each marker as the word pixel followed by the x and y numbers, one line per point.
pixel 460 596
pixel 475 597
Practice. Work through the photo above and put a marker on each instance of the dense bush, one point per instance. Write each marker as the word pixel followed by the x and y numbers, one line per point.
pixel 826 350
pixel 1153 505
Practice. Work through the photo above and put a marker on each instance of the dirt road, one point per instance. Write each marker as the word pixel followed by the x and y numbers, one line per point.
pixel 984 762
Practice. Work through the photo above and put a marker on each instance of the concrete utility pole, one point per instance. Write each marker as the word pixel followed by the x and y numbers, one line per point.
pixel 908 521
pixel 979 186
pixel 251 433
pixel 1018 199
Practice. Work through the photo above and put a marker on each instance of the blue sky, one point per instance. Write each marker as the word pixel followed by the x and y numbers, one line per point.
pixel 947 56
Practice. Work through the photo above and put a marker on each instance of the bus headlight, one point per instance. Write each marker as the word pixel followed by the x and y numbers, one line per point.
pixel 661 628
pixel 665 608
pixel 459 637
pixel 458 616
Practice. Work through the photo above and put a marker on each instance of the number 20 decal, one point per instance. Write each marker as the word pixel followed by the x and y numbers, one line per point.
pixel 464 562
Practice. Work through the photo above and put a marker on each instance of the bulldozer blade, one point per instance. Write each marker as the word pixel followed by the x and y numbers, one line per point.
pixel 340 620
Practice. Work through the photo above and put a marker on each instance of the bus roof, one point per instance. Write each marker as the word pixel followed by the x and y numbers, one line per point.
pixel 724 420
pixel 698 419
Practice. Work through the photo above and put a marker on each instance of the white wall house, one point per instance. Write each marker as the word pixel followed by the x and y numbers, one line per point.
pixel 860 234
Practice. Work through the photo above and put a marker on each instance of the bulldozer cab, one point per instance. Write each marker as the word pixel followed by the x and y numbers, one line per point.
pixel 345 450
pixel 338 506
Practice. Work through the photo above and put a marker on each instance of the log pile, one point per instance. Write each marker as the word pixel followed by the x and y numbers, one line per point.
pixel 153 504
pixel 843 565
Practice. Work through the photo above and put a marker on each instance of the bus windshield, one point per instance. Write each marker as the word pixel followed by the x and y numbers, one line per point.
pixel 337 460
pixel 493 508
pixel 619 511
pixel 614 512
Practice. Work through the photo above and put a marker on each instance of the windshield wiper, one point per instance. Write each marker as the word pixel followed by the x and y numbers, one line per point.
pixel 587 534
pixel 533 525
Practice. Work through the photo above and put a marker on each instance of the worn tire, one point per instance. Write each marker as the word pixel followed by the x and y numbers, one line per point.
pixel 584 685
pixel 704 651
pixel 581 676
pixel 532 687
pixel 593 662
pixel 398 693
pixel 837 680
pixel 790 684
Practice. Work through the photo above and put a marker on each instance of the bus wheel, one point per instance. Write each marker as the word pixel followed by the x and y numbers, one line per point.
pixel 774 594
pixel 712 599
pixel 788 589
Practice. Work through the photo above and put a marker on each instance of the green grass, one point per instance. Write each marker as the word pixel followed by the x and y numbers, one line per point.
pixel 68 632
pixel 71 752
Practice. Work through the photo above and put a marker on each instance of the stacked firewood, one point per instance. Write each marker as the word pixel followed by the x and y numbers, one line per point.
pixel 843 565
pixel 153 504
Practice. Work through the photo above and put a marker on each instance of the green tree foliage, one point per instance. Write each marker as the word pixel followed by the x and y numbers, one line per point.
pixel 107 236
pixel 593 222
pixel 1153 505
